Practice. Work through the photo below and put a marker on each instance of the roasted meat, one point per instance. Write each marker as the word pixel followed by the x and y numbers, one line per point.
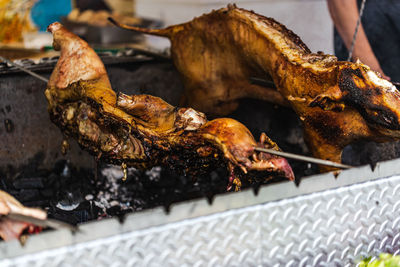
pixel 12 229
pixel 338 102
pixel 143 130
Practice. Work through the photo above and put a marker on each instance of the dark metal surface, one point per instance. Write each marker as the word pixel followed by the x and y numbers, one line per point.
pixel 26 132
pixel 308 229
pixel 262 82
pixel 46 64
pixel 107 34
pixel 325 221
pixel 27 135
pixel 270 151
pixel 20 67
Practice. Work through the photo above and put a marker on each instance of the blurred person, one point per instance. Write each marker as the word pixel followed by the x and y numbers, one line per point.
pixel 378 46
pixel 45 12
pixel 378 39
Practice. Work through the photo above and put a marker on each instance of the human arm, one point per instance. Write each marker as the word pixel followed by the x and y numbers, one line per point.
pixel 344 14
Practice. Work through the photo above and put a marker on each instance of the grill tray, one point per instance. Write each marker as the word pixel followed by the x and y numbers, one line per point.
pixel 325 221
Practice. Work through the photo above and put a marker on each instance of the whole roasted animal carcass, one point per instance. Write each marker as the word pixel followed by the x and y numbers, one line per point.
pixel 143 130
pixel 338 102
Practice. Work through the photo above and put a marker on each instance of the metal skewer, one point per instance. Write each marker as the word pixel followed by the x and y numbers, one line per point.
pixel 361 11
pixel 270 151
pixel 55 224
pixel 262 82
pixel 24 69
pixel 303 158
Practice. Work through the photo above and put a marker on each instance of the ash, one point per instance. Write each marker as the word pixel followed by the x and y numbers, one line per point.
pixel 114 192
pixel 78 195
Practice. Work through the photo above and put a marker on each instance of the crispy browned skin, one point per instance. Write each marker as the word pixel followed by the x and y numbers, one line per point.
pixel 214 72
pixel 143 130
pixel 338 102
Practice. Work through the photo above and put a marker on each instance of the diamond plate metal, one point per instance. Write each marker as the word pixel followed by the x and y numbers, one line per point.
pixel 334 227
pixel 229 240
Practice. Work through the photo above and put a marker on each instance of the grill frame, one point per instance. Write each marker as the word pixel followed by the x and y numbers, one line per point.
pixel 237 229
pixel 284 224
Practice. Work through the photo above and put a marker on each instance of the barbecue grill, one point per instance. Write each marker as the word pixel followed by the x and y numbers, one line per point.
pixel 325 220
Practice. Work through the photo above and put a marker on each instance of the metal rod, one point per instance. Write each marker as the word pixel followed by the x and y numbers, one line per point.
pixel 55 224
pixel 356 30
pixel 24 69
pixel 262 82
pixel 303 158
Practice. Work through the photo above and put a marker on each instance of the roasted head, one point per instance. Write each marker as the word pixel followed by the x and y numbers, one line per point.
pixel 143 130
pixel 338 102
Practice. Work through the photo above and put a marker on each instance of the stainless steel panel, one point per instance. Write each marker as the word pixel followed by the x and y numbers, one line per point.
pixel 28 136
pixel 326 221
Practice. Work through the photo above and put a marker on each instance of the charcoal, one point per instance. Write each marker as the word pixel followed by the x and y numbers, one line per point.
pixel 81 215
pixel 28 195
pixel 65 217
pixel 59 166
pixel 37 203
pixel 74 196
pixel 137 203
pixel 3 184
pixel 94 211
pixel 31 168
pixel 41 173
pixel 114 211
pixel 47 192
pixel 29 183
pixel 52 179
pixel 13 192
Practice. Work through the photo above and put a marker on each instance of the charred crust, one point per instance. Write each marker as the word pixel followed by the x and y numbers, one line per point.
pixel 363 100
pixel 386 118
pixel 282 28
pixel 183 159
pixel 93 103
pixel 290 35
pixel 352 93
pixel 326 126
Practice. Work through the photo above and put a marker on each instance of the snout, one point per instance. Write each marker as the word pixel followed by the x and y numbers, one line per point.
pixel 376 99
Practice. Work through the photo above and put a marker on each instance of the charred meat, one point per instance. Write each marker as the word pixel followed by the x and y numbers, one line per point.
pixel 142 130
pixel 338 102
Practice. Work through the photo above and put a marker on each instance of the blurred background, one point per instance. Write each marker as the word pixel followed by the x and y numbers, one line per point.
pixel 24 22
pixel 309 19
